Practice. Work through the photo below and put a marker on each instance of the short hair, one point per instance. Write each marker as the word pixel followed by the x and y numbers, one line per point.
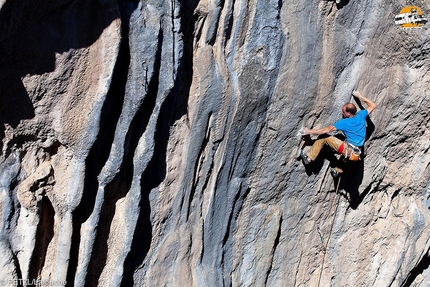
pixel 351 108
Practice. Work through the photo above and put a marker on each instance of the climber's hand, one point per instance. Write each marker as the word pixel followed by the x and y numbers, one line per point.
pixel 302 132
pixel 355 93
pixel 306 131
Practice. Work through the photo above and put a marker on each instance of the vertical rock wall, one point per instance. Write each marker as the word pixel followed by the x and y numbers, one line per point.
pixel 154 143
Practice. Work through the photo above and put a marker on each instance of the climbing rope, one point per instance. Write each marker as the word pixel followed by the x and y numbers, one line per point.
pixel 331 229
pixel 325 244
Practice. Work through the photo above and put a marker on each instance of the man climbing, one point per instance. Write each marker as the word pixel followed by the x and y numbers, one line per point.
pixel 353 126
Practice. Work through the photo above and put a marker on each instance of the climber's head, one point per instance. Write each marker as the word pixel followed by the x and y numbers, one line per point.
pixel 349 110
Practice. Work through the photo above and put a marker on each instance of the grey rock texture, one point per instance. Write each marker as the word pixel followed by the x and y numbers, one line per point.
pixel 154 143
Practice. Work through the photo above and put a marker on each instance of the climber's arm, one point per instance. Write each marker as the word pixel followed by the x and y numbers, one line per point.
pixel 320 131
pixel 370 104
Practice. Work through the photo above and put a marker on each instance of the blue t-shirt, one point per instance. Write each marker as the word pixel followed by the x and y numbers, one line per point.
pixel 354 128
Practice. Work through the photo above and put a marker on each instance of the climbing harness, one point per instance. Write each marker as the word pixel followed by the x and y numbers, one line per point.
pixel 350 151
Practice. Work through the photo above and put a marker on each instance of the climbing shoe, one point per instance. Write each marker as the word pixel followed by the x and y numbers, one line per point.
pixel 305 158
pixel 335 173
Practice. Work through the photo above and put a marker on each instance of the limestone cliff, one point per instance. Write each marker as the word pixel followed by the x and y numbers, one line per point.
pixel 154 143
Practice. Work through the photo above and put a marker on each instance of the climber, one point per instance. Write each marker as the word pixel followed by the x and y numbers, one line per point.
pixel 353 126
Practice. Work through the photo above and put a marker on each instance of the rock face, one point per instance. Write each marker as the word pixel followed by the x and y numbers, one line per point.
pixel 154 143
